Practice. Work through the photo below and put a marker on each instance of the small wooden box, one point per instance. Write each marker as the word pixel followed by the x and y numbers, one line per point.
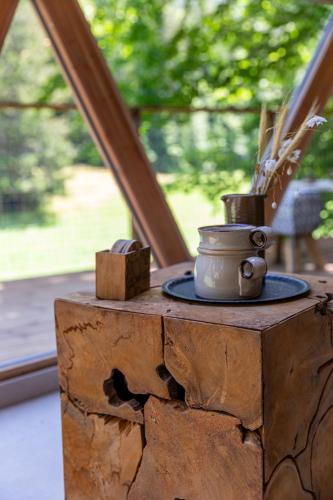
pixel 167 400
pixel 122 276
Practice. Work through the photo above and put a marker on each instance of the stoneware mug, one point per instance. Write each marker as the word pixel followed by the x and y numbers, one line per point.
pixel 228 265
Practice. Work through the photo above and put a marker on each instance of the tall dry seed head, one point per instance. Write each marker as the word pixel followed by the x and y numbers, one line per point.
pixel 284 151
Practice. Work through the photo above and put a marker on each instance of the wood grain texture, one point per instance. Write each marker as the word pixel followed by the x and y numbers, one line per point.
pixel 111 125
pixel 153 301
pixel 316 457
pixel 298 396
pixel 7 11
pixel 101 455
pixel 322 457
pixel 258 416
pixel 195 454
pixel 122 276
pixel 286 484
pixel 92 343
pixel 218 366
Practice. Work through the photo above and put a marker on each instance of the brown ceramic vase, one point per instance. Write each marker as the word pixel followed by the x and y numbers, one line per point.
pixel 244 209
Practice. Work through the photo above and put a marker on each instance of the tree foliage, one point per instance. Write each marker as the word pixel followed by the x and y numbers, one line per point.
pixel 197 53
pixel 227 53
pixel 206 52
pixel 34 145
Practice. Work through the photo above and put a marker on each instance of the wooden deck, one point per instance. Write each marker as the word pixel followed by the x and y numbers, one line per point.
pixel 26 307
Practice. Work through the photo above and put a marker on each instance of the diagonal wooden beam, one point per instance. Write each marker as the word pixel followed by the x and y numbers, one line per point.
pixel 316 87
pixel 111 126
pixel 7 11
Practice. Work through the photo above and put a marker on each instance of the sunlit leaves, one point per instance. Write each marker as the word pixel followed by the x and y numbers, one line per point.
pixel 229 44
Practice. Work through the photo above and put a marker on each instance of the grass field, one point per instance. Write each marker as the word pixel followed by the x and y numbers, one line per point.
pixel 90 217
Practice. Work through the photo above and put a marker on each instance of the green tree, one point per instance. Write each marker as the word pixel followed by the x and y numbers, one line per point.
pixel 214 53
pixel 206 52
pixel 228 53
pixel 34 145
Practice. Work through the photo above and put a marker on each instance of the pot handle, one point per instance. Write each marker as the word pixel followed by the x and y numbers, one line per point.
pixel 250 270
pixel 261 237
pixel 253 268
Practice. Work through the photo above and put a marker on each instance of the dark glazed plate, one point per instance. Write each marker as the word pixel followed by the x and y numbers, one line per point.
pixel 277 287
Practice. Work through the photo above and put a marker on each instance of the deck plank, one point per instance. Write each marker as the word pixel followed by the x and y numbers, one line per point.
pixel 26 310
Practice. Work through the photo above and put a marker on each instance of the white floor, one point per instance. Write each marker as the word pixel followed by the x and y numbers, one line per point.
pixel 30 450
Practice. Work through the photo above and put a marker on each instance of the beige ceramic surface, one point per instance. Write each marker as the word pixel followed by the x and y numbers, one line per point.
pixel 228 265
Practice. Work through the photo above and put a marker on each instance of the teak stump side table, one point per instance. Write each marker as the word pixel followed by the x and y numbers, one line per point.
pixel 165 400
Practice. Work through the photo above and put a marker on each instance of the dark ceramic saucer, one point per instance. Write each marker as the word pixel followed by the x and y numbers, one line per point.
pixel 277 287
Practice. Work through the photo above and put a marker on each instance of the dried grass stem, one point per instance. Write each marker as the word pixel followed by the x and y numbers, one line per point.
pixel 277 137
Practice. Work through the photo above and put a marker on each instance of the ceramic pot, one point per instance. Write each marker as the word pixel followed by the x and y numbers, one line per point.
pixel 228 265
pixel 244 209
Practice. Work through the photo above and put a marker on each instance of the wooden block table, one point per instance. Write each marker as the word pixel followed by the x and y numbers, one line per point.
pixel 165 400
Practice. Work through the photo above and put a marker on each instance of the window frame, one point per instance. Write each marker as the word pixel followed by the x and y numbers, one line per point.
pixel 28 377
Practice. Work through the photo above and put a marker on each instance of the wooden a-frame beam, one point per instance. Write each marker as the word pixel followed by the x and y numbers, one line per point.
pixel 7 11
pixel 110 124
pixel 316 87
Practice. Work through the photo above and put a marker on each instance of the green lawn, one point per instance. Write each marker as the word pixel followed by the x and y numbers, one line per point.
pixel 90 218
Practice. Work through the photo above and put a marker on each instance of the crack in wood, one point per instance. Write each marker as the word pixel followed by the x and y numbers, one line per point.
pixel 116 390
pixel 315 413
pixel 311 434
pixel 252 437
pixel 81 327
pixel 176 391
pixel 313 438
pixel 324 365
pixel 144 444
pixel 226 354
pixel 94 449
pixel 71 352
pixel 121 337
pixel 79 406
pixel 279 465
pixel 295 441
pixel 321 308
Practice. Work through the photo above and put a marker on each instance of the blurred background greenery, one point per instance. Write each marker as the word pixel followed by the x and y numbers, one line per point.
pixel 184 53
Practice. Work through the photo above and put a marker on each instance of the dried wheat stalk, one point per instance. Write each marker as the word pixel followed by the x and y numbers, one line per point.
pixel 284 148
